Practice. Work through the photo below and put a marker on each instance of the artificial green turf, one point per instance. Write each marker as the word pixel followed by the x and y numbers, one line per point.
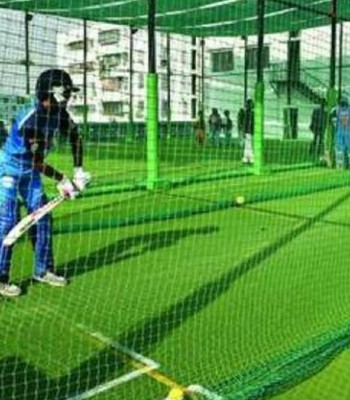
pixel 124 161
pixel 219 299
pixel 164 289
pixel 105 211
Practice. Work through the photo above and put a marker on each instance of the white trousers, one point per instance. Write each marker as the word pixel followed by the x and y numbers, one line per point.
pixel 248 154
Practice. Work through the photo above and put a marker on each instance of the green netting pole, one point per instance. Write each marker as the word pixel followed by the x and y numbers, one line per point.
pixel 332 92
pixel 85 108
pixel 259 94
pixel 152 102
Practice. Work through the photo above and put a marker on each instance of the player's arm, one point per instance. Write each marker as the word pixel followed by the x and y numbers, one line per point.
pixel 69 127
pixel 46 169
pixel 35 143
pixel 77 147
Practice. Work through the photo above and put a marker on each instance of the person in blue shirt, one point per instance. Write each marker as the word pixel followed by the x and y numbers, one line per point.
pixel 342 133
pixel 22 162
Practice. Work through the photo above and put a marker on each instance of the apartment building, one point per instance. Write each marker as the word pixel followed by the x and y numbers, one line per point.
pixel 116 69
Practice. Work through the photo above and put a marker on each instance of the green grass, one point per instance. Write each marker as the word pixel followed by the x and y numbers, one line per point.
pixel 115 162
pixel 239 300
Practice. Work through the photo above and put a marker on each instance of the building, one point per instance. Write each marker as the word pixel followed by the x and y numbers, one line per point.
pixel 116 71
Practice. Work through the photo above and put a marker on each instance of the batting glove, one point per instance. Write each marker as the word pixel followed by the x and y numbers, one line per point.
pixel 67 189
pixel 81 178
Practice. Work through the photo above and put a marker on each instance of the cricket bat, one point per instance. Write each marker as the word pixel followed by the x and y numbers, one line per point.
pixel 28 221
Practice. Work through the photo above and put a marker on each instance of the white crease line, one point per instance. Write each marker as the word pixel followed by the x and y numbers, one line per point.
pixel 205 392
pixel 132 354
pixel 112 384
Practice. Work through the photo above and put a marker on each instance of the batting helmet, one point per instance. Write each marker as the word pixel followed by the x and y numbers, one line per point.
pixel 55 84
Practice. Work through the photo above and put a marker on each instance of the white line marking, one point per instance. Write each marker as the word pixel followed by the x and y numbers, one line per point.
pixel 149 363
pixel 111 384
pixel 205 392
pixel 132 354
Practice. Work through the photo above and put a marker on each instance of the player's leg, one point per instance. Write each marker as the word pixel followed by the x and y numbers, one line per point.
pixel 8 219
pixel 347 150
pixel 321 144
pixel 200 136
pixel 339 158
pixel 41 235
pixel 312 145
pixel 318 144
pixel 248 149
pixel 340 152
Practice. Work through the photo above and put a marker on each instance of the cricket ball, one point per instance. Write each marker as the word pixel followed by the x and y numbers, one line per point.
pixel 239 200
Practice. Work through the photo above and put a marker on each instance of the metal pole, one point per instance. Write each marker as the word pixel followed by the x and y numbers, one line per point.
pixel 27 18
pixel 151 37
pixel 152 102
pixel 259 92
pixel 245 69
pixel 202 108
pixel 131 81
pixel 340 61
pixel 168 85
pixel 85 52
pixel 333 44
pixel 289 71
pixel 260 51
pixel 332 92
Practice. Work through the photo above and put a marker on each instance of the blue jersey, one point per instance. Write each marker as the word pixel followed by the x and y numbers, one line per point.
pixel 342 129
pixel 32 131
pixel 343 121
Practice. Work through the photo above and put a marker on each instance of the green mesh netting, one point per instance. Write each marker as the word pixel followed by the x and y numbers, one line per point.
pixel 194 275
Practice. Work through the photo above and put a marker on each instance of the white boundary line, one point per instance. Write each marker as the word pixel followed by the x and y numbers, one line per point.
pixel 205 392
pixel 111 384
pixel 149 365
pixel 132 354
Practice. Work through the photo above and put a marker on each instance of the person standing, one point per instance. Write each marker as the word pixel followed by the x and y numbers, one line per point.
pixel 248 127
pixel 227 127
pixel 318 127
pixel 23 162
pixel 342 134
pixel 240 125
pixel 199 128
pixel 215 125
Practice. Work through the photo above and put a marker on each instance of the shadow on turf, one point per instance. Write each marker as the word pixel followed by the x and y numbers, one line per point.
pixel 144 336
pixel 20 380
pixel 130 247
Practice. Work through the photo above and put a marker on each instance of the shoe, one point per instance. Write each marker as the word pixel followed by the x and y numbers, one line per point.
pixel 51 279
pixel 8 290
